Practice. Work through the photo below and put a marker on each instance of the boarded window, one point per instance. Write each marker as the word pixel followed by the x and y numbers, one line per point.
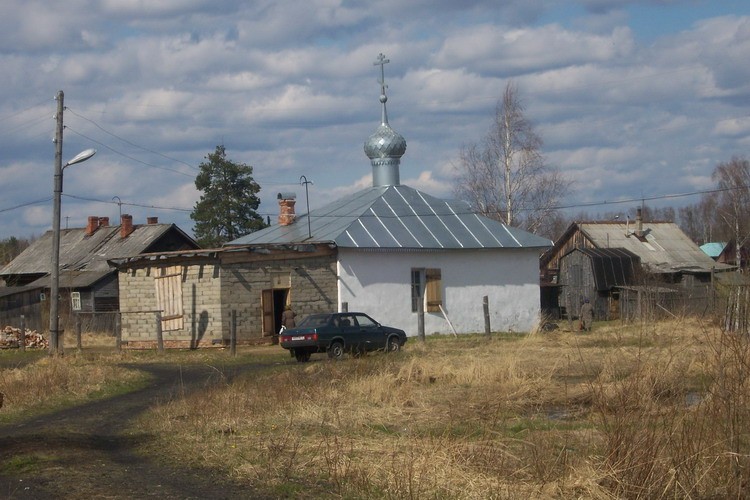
pixel 169 298
pixel 433 290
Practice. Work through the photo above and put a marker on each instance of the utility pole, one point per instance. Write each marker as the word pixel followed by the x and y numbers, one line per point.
pixel 54 291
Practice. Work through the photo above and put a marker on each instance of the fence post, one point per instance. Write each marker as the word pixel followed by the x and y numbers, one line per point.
pixel 78 332
pixel 22 339
pixel 159 336
pixel 233 334
pixel 118 332
pixel 420 319
pixel 486 308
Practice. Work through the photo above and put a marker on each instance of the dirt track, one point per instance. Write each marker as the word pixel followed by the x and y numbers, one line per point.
pixel 85 451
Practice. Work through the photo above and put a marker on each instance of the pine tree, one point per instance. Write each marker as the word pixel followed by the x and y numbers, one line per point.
pixel 227 208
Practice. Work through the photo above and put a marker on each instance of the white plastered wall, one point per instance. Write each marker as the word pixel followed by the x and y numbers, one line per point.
pixel 379 284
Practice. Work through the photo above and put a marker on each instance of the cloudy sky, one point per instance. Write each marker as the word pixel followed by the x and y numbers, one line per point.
pixel 633 98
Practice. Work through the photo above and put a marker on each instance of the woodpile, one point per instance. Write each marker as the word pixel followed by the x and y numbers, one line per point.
pixel 10 337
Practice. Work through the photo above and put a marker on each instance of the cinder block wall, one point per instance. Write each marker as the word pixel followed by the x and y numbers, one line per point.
pixel 201 300
pixel 313 289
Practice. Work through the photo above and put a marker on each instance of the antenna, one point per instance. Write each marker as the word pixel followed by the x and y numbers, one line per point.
pixel 119 204
pixel 307 199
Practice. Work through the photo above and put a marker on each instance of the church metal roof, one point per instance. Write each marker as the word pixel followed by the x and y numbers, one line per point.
pixel 396 217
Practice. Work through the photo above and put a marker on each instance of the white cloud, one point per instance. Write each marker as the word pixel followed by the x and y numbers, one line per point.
pixel 289 87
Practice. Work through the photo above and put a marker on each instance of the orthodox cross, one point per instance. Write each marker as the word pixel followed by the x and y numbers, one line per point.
pixel 382 61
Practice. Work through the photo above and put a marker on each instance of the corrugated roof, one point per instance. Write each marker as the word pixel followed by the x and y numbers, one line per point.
pixel 662 248
pixel 396 217
pixel 611 266
pixel 73 279
pixel 81 252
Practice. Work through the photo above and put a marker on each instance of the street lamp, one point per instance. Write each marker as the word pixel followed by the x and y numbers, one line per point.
pixel 54 321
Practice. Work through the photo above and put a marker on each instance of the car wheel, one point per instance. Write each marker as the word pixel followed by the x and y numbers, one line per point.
pixel 336 350
pixel 302 357
pixel 392 345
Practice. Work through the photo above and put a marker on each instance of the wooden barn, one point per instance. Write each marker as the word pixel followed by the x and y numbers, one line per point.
pixel 596 274
pixel 675 274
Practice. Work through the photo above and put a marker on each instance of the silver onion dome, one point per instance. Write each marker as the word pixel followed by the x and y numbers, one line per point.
pixel 385 147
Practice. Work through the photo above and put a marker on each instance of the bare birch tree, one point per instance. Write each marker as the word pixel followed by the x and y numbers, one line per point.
pixel 505 176
pixel 733 179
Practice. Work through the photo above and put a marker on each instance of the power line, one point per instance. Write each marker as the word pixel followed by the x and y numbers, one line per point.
pixel 139 205
pixel 29 203
pixel 7 117
pixel 382 216
pixel 125 155
pixel 129 142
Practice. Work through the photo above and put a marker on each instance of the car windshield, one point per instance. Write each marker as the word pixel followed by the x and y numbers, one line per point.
pixel 314 320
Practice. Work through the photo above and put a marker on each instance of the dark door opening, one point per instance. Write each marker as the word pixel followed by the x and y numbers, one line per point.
pixel 273 303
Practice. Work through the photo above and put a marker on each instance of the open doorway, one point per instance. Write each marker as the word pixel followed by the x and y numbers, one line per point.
pixel 273 301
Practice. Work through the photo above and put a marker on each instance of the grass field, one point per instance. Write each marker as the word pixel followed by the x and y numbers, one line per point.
pixel 626 411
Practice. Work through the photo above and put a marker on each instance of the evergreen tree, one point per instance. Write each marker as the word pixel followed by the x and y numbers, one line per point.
pixel 227 208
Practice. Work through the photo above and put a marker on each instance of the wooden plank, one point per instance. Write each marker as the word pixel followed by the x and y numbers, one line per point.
pixel 266 303
pixel 169 298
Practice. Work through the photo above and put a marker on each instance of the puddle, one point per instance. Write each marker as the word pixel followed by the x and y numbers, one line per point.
pixel 693 398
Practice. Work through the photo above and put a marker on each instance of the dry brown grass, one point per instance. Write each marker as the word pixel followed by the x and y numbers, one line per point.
pixel 51 382
pixel 628 411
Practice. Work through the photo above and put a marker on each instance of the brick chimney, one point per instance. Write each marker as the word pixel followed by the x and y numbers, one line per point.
pixel 638 222
pixel 126 225
pixel 103 221
pixel 286 208
pixel 152 220
pixel 92 225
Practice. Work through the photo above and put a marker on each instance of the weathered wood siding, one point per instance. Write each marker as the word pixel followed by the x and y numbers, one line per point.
pixel 577 284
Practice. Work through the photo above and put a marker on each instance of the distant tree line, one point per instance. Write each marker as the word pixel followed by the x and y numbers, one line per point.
pixel 11 247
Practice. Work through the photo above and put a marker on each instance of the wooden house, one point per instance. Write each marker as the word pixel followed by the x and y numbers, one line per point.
pixel 669 261
pixel 87 282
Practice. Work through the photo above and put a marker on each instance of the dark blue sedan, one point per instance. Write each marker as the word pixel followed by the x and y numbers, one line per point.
pixel 339 333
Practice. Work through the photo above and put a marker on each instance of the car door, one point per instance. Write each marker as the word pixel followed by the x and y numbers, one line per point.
pixel 372 335
pixel 348 328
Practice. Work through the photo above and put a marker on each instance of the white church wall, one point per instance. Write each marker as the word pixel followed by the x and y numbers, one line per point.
pixel 379 283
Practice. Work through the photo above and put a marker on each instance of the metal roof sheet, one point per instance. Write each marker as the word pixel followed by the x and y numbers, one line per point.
pixel 713 249
pixel 662 248
pixel 396 217
pixel 79 251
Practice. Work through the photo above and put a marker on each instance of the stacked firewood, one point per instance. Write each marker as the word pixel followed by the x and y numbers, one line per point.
pixel 12 337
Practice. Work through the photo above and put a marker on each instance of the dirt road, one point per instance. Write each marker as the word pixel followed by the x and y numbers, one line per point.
pixel 89 451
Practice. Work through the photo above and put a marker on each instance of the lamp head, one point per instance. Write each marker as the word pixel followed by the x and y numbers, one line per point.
pixel 82 156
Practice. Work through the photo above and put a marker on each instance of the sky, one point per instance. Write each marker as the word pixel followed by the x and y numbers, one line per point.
pixel 634 99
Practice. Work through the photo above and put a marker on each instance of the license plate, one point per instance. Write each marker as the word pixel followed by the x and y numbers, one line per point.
pixel 302 337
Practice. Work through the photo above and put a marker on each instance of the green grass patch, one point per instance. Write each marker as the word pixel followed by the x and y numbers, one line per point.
pixel 24 464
